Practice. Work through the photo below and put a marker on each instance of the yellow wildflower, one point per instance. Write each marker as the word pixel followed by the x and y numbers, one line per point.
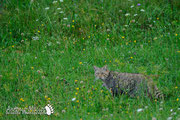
pixel 122 37
pixel 76 93
pixel 178 51
pixel 76 80
pixel 42 24
pixel 21 99
pixel 131 57
pixel 77 101
pixel 77 88
pixel 89 36
pixel 157 18
pixel 102 24
pixel 72 20
pixel 84 49
pixel 176 34
pixel 135 41
pixel 48 98
pixel 72 26
pixel 80 63
pixel 177 99
pixel 176 87
pixel 12 46
pixel 32 68
pixel 38 31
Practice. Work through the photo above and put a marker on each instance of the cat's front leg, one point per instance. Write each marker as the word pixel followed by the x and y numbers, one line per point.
pixel 110 90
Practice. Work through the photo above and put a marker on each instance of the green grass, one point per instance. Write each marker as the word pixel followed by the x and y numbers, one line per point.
pixel 49 70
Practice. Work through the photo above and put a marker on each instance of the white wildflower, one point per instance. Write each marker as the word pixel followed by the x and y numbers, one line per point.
pixel 142 10
pixel 139 110
pixel 135 14
pixel 153 118
pixel 73 99
pixel 58 42
pixel 49 44
pixel 171 110
pixel 57 77
pixel 160 108
pixel 58 8
pixel 61 0
pixel 126 25
pixel 35 38
pixel 174 113
pixel 61 12
pixel 65 18
pixel 178 108
pixel 63 111
pixel 127 14
pixel 146 107
pixel 108 30
pixel 54 2
pixel 132 6
pixel 47 8
pixel 169 118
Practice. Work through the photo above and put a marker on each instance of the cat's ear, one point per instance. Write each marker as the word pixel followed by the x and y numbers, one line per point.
pixel 95 68
pixel 105 68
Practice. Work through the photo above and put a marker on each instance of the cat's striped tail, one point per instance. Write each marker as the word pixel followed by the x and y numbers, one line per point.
pixel 158 94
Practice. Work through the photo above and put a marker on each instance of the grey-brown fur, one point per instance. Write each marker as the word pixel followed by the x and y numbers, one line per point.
pixel 127 83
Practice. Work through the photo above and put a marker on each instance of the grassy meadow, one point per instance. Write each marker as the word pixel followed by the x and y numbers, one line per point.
pixel 48 50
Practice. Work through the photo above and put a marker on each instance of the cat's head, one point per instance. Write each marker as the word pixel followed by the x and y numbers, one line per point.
pixel 101 73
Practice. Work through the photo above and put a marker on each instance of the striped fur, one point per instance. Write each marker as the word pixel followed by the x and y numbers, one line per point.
pixel 127 83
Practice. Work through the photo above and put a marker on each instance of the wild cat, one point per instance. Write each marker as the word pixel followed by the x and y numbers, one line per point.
pixel 127 83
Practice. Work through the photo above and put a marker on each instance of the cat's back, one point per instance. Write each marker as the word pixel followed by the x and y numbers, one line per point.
pixel 128 76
